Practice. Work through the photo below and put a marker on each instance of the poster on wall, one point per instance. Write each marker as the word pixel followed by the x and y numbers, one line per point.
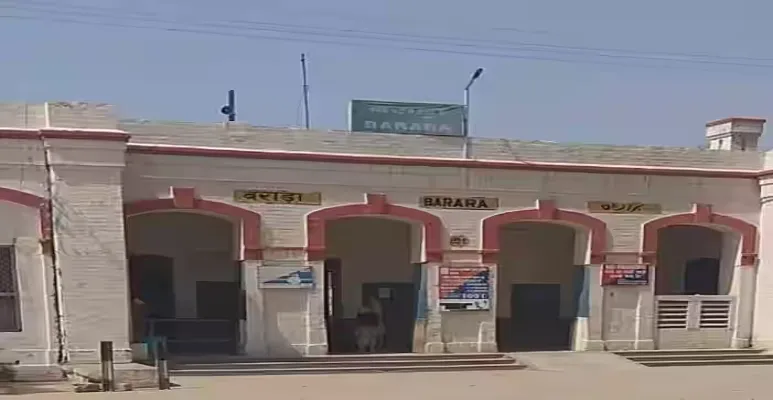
pixel 464 288
pixel 625 275
pixel 285 275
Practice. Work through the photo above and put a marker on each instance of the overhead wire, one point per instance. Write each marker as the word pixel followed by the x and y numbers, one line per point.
pixel 89 15
pixel 451 40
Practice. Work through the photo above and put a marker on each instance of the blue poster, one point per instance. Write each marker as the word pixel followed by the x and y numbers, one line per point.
pixel 465 288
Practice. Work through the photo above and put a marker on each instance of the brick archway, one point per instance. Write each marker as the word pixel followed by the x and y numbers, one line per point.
pixel 702 215
pixel 546 211
pixel 375 205
pixel 184 199
pixel 32 201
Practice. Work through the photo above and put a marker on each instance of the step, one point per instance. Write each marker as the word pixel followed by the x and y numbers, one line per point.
pixel 333 363
pixel 336 357
pixel 685 363
pixel 688 352
pixel 342 370
pixel 702 357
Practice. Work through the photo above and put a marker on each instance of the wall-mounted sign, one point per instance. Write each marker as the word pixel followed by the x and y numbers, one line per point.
pixel 460 203
pixel 458 241
pixel 285 274
pixel 464 288
pixel 625 274
pixel 624 208
pixel 411 118
pixel 277 197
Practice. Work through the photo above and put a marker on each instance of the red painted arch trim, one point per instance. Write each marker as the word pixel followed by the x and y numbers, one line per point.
pixel 32 201
pixel 701 215
pixel 376 205
pixel 546 211
pixel 184 199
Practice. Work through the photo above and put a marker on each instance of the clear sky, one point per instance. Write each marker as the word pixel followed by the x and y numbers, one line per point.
pixel 600 71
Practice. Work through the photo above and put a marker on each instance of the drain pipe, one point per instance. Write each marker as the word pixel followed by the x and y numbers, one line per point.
pixel 61 336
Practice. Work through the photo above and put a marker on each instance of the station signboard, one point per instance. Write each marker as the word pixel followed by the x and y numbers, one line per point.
pixel 406 118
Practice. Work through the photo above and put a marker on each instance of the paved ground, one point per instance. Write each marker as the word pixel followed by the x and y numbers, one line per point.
pixel 594 379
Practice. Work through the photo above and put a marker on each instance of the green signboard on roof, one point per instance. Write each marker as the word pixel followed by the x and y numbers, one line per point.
pixel 408 118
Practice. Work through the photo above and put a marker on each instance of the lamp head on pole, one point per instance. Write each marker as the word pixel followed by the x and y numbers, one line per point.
pixel 475 75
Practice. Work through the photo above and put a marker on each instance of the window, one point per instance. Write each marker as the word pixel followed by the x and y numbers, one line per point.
pixel 10 320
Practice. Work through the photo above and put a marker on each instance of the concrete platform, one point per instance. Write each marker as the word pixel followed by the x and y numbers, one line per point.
pixel 133 374
pixel 575 361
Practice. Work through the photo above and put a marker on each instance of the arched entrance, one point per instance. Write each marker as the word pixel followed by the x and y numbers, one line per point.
pixel 701 302
pixel 541 255
pixel 695 253
pixel 694 259
pixel 373 254
pixel 185 271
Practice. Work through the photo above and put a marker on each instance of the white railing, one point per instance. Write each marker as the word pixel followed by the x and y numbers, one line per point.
pixel 695 312
pixel 672 313
pixel 715 313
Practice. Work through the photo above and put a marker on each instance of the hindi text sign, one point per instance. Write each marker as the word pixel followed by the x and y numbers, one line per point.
pixel 624 208
pixel 406 118
pixel 625 275
pixel 277 197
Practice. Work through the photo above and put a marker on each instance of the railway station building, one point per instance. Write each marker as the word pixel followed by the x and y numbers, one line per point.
pixel 233 239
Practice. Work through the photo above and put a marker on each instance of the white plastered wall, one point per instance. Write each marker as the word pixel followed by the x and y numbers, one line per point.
pixel 35 344
pixel 284 227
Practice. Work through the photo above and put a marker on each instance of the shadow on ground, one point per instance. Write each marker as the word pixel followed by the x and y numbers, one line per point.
pixel 11 388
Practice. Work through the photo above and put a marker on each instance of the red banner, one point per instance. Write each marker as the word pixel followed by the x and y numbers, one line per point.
pixel 625 274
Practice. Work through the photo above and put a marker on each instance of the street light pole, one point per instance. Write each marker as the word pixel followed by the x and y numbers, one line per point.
pixel 466 117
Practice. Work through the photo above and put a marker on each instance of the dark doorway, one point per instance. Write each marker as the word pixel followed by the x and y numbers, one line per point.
pixel 334 322
pixel 152 281
pixel 151 289
pixel 535 321
pixel 219 308
pixel 398 304
pixel 701 276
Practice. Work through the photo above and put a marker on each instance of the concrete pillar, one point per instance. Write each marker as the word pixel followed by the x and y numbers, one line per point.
pixel 744 288
pixel 588 326
pixel 254 333
pixel 316 331
pixel 434 325
pixel 487 338
pixel 461 331
pixel 763 325
pixel 88 227
pixel 628 313
pixel 646 315
pixel 422 309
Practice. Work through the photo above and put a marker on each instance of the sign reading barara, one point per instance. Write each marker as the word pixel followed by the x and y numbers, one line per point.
pixel 460 203
pixel 624 208
pixel 277 197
